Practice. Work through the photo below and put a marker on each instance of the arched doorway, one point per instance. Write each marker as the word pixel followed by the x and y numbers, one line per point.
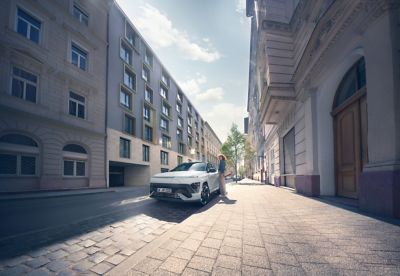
pixel 350 130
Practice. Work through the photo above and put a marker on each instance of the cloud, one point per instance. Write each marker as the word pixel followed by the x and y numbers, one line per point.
pixel 158 29
pixel 223 115
pixel 212 94
pixel 241 10
pixel 192 86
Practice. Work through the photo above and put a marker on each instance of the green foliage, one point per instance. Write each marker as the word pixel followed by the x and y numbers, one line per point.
pixel 233 148
pixel 242 171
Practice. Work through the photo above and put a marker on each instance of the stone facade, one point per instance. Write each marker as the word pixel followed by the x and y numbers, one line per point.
pixel 302 53
pixel 37 76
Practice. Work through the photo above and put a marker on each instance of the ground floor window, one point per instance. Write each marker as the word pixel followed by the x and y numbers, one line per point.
pixel 124 148
pixel 18 155
pixel 180 160
pixel 164 157
pixel 146 153
pixel 74 168
pixel 74 161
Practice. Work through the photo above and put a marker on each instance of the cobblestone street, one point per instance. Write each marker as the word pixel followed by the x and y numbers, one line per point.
pixel 263 230
pixel 92 245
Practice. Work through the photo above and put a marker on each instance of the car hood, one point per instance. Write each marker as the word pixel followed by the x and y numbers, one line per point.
pixel 185 174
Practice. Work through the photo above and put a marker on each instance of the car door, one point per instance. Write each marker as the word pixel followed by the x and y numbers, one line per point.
pixel 213 177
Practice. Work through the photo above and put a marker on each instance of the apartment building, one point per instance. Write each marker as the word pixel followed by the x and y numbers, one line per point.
pixel 323 98
pixel 85 102
pixel 213 145
pixel 151 125
pixel 52 94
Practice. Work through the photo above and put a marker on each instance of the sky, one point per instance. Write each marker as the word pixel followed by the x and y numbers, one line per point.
pixel 204 44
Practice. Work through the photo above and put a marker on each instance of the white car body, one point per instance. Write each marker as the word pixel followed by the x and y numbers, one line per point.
pixel 181 185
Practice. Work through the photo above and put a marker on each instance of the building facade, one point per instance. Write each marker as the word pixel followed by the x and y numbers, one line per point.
pixel 323 98
pixel 52 94
pixel 212 146
pixel 151 125
pixel 84 102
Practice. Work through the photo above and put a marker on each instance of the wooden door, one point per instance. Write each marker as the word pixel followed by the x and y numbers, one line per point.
pixel 348 145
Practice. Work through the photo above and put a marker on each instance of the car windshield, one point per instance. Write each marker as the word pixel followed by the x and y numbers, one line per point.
pixel 190 167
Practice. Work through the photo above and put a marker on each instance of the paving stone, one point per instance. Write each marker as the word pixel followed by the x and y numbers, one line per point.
pixel 73 248
pixel 319 269
pixel 255 271
pixel 91 250
pixel 183 253
pixel 197 235
pixel 15 270
pixel 101 268
pixel 127 251
pixel 98 257
pixel 160 254
pixel 37 262
pixel 193 272
pixel 229 262
pixel 77 256
pixel 171 244
pixel 57 254
pixel 201 263
pixel 38 253
pixel 255 250
pixel 116 259
pixel 231 251
pixel 148 265
pixel 111 250
pixel 174 265
pixel 283 258
pixel 83 266
pixel 148 238
pixel 222 271
pixel 66 272
pixel 87 243
pixel 17 260
pixel 58 265
pixel 39 272
pixel 284 270
pixel 207 252
pixel 191 244
pixel 216 235
pixel 256 260
pixel 162 272
pixel 213 243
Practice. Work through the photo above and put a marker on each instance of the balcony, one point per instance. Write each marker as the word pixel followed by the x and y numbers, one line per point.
pixel 275 100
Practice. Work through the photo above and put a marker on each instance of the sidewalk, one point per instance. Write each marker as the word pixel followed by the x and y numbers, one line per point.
pixel 264 230
pixel 60 193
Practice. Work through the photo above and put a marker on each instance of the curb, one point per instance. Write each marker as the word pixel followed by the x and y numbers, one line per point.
pixel 62 194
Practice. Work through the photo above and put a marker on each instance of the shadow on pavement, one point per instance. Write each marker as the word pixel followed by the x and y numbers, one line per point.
pixel 164 211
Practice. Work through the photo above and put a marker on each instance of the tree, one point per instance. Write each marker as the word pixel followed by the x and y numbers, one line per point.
pixel 249 154
pixel 233 147
pixel 242 171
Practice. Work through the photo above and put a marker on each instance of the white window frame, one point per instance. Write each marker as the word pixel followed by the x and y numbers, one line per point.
pixel 25 81
pixel 75 158
pixel 145 155
pixel 163 92
pixel 180 122
pixel 19 156
pixel 130 99
pixel 166 157
pixel 30 25
pixel 77 104
pixel 147 115
pixel 148 57
pixel 164 124
pixel 148 91
pixel 129 78
pixel 123 49
pixel 144 70
pixel 82 14
pixel 165 109
pixel 80 56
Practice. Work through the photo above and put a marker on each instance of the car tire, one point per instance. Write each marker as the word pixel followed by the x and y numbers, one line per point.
pixel 205 195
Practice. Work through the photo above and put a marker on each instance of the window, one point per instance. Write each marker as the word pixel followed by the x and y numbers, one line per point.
pixel 180 122
pixel 196 125
pixel 179 108
pixel 190 141
pixel 165 109
pixel 28 26
pixel 76 105
pixel 146 74
pixel 125 98
pixel 78 57
pixel 197 145
pixel 197 116
pixel 129 79
pixel 164 170
pixel 189 119
pixel 126 54
pixel 24 85
pixel 129 125
pixel 179 134
pixel 148 133
pixel 148 57
pixel 163 92
pixel 181 148
pixel 166 141
pixel 164 124
pixel 189 129
pixel 80 15
pixel 132 36
pixel 74 160
pixel 189 108
pixel 124 148
pixel 164 157
pixel 165 78
pixel 146 153
pixel 23 162
pixel 180 159
pixel 148 94
pixel 179 96
pixel 147 113
pixel 197 137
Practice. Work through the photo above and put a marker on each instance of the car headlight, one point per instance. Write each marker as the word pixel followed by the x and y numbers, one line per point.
pixel 195 186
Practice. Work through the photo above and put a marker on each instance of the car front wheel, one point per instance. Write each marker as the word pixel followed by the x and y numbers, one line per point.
pixel 205 195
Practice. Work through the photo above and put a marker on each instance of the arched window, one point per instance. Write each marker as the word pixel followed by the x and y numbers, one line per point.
pixel 353 81
pixel 18 155
pixel 74 161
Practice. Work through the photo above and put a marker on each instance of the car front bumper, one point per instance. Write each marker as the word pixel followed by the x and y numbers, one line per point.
pixel 179 192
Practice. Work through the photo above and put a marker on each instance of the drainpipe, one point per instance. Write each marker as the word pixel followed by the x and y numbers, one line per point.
pixel 106 172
